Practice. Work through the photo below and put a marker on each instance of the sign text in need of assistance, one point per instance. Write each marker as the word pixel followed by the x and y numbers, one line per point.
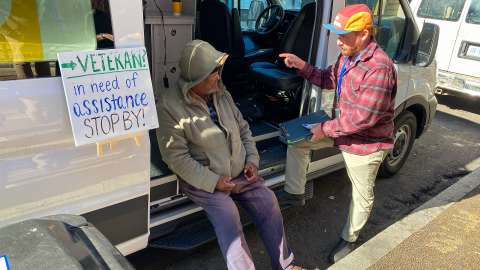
pixel 109 93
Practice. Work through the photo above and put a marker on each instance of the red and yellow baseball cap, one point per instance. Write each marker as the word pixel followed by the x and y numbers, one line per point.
pixel 351 18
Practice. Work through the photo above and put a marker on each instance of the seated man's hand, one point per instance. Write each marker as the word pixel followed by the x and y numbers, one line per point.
pixel 317 133
pixel 250 171
pixel 224 184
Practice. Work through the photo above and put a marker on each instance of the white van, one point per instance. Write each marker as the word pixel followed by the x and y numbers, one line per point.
pixel 122 186
pixel 458 53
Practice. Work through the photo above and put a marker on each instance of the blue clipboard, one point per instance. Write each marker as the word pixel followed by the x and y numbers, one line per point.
pixel 298 130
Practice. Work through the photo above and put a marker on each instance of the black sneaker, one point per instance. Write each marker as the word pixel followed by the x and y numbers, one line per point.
pixel 286 199
pixel 342 249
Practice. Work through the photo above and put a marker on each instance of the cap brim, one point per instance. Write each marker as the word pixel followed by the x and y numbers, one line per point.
pixel 222 59
pixel 332 28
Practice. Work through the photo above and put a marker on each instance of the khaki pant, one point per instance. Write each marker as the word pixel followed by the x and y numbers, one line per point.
pixel 362 171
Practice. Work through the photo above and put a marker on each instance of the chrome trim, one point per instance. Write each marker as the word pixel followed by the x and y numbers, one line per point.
pixel 161 201
pixel 266 136
pixel 271 170
pixel 163 180
pixel 171 216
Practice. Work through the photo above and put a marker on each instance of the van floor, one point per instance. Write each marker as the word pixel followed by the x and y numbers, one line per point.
pixel 272 151
pixel 263 119
pixel 261 107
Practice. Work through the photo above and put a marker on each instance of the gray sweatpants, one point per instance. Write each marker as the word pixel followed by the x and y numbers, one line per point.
pixel 261 205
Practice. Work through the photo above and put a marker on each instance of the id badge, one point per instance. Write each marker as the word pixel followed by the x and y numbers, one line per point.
pixel 337 113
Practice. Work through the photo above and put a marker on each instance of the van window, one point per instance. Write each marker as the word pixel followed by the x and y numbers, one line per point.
pixel 390 25
pixel 447 10
pixel 295 5
pixel 372 4
pixel 30 38
pixel 473 15
pixel 249 12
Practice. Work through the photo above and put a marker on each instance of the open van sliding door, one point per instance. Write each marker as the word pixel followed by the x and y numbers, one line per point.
pixel 41 171
pixel 324 51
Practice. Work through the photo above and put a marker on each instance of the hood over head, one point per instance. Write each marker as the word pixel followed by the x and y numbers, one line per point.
pixel 198 60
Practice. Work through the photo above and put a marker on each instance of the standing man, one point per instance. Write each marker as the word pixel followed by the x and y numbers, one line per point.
pixel 365 81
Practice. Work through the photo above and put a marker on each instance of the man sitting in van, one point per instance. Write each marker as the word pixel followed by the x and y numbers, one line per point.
pixel 205 141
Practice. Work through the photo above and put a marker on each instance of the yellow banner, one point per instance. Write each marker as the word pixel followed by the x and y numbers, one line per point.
pixel 36 30
pixel 20 39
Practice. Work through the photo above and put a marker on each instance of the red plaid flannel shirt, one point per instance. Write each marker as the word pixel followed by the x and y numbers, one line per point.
pixel 366 101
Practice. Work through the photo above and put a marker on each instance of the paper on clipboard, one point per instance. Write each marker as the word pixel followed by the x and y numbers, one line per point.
pixel 309 126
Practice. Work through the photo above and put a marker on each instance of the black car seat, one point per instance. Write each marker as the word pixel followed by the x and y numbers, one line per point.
pixel 276 76
pixel 216 25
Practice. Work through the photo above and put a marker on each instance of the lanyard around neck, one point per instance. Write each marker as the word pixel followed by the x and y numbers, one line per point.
pixel 340 77
pixel 343 71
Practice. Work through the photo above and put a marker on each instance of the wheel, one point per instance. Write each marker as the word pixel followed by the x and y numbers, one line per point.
pixel 405 133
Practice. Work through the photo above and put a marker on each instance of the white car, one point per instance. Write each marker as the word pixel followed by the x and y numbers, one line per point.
pixel 123 187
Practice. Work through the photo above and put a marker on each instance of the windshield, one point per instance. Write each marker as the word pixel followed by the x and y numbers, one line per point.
pixel 473 15
pixel 372 4
pixel 446 10
pixel 295 5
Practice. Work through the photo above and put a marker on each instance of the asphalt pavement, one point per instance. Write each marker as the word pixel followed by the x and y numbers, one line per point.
pixel 445 153
pixel 443 233
pixel 450 241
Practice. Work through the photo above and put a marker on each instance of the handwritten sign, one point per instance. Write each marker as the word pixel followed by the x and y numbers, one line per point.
pixel 109 93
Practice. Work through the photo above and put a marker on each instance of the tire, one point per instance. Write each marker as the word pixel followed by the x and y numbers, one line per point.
pixel 405 133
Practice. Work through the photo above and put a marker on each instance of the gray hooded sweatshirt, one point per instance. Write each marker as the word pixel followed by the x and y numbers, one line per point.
pixel 191 144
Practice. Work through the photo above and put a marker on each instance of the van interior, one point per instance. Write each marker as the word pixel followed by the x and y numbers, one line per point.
pixel 264 89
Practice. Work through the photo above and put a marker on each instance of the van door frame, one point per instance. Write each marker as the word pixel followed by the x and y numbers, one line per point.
pixel 324 160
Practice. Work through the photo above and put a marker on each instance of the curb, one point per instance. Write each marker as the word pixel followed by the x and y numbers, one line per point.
pixel 373 250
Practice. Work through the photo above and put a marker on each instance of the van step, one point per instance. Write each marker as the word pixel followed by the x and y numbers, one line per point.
pixel 187 237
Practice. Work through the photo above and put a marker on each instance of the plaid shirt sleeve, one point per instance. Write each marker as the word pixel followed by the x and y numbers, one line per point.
pixel 373 102
pixel 324 78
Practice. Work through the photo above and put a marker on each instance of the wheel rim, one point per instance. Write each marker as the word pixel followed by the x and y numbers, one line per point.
pixel 403 136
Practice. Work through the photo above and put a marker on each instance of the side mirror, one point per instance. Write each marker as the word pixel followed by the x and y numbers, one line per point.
pixel 427 45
